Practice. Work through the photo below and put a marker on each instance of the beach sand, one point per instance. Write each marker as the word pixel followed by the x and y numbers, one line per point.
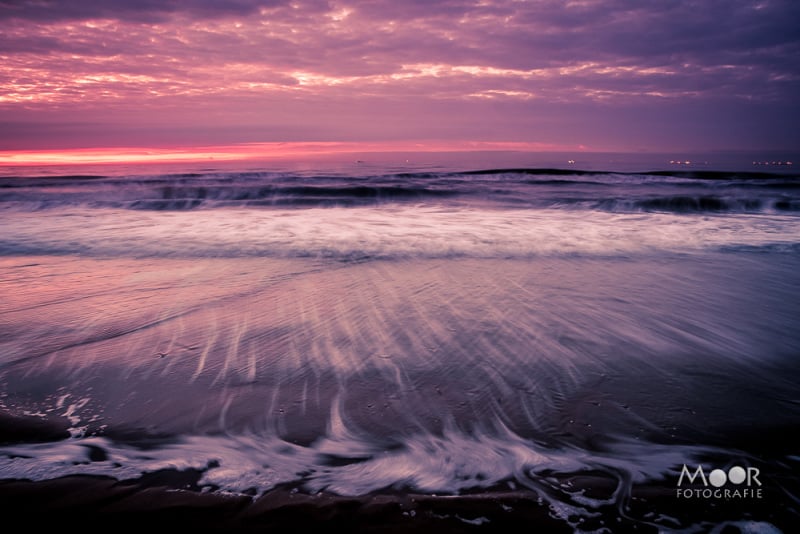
pixel 441 395
pixel 166 500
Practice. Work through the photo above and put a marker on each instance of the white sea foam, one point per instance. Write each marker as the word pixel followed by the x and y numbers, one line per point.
pixel 396 231
pixel 446 464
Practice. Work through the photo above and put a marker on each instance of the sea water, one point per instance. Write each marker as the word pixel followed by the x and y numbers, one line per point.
pixel 429 328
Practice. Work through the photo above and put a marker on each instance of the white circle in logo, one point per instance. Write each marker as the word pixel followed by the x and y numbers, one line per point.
pixel 737 474
pixel 717 478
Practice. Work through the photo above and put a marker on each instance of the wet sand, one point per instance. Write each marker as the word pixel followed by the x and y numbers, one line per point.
pixel 169 499
pixel 550 394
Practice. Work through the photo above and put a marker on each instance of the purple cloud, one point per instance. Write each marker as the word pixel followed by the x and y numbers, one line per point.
pixel 335 69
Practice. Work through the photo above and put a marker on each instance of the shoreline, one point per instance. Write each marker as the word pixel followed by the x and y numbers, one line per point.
pixel 585 501
pixel 284 380
pixel 170 498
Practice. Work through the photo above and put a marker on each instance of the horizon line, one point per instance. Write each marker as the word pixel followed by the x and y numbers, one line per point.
pixel 280 150
pixel 273 150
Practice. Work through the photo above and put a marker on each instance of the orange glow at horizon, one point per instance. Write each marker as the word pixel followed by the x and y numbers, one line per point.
pixel 255 151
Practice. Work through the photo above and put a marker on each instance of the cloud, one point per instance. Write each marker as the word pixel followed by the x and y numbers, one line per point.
pixel 465 57
pixel 127 10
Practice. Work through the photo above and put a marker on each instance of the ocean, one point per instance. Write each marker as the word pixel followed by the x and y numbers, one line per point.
pixel 458 344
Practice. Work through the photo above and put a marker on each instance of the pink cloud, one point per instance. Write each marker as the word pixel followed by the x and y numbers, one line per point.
pixel 516 71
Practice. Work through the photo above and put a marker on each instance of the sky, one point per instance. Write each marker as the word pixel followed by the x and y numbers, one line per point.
pixel 593 75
